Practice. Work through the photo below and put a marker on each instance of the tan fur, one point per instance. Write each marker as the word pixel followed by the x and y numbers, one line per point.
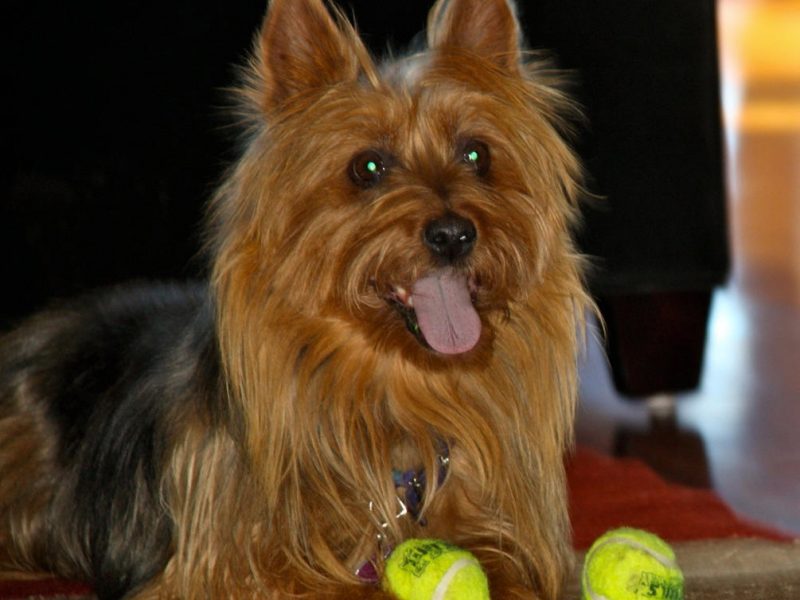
pixel 349 384
pixel 327 389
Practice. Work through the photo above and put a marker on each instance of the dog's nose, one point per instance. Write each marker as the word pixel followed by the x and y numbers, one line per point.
pixel 450 237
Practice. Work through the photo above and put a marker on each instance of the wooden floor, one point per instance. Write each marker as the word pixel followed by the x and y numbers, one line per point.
pixel 740 432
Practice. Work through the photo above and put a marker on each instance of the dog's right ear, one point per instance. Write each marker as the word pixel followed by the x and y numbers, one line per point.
pixel 302 48
pixel 487 27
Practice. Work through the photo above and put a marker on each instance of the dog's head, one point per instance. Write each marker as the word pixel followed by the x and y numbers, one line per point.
pixel 413 202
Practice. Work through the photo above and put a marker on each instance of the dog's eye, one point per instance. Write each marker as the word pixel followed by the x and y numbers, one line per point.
pixel 475 154
pixel 367 168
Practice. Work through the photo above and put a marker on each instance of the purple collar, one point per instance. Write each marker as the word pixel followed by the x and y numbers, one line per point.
pixel 411 484
pixel 410 487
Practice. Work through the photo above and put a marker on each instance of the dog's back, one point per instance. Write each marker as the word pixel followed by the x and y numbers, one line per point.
pixel 97 382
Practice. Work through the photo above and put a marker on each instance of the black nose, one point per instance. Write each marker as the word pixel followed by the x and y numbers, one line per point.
pixel 450 237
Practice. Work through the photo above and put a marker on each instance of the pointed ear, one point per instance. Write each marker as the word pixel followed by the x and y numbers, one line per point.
pixel 487 27
pixel 301 48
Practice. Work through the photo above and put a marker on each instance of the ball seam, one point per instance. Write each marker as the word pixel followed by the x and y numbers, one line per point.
pixel 447 578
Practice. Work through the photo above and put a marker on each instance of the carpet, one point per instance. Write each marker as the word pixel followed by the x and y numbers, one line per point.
pixel 610 492
pixel 723 556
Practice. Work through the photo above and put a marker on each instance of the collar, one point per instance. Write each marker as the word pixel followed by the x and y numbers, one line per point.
pixel 410 486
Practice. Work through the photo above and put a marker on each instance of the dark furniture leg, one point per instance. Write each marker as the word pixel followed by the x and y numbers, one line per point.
pixel 655 341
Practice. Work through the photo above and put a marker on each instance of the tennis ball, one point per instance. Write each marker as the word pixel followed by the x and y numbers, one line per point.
pixel 424 569
pixel 631 564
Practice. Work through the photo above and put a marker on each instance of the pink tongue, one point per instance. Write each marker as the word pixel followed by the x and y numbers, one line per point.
pixel 445 313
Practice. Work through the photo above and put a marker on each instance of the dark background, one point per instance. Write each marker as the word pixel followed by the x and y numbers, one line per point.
pixel 115 134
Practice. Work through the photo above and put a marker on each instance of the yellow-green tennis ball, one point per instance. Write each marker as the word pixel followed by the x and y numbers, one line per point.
pixel 423 569
pixel 631 564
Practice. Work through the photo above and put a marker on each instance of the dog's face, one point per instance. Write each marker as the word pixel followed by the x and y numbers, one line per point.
pixel 412 201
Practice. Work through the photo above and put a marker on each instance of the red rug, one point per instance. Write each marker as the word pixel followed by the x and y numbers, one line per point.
pixel 13 589
pixel 607 493
pixel 604 493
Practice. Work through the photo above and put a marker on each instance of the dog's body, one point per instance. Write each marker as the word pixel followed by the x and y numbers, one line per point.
pixel 394 289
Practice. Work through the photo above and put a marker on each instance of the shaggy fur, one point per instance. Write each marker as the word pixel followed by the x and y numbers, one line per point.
pixel 237 439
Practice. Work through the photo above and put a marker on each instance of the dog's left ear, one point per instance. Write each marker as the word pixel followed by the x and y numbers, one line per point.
pixel 487 27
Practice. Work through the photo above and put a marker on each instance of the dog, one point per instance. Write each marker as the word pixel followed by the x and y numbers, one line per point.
pixel 385 347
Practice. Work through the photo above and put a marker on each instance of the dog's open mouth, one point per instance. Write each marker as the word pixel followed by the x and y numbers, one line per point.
pixel 439 310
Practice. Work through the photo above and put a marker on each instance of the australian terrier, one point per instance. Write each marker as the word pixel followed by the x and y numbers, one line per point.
pixel 386 347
